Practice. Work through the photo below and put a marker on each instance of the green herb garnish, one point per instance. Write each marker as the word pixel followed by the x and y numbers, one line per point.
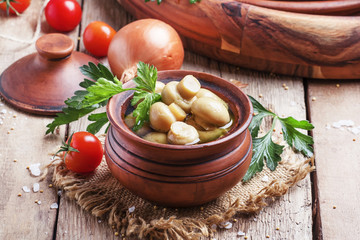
pixel 265 148
pixel 97 93
pixel 160 1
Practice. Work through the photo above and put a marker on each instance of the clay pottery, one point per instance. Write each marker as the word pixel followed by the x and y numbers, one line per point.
pixel 178 175
pixel 304 38
pixel 41 82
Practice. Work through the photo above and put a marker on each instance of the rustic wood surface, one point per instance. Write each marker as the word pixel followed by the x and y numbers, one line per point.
pixel 296 44
pixel 335 182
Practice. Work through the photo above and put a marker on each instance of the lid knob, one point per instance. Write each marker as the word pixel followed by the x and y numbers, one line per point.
pixel 54 46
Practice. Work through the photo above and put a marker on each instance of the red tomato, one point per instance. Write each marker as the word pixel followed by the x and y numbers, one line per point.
pixel 89 155
pixel 63 15
pixel 15 6
pixel 97 37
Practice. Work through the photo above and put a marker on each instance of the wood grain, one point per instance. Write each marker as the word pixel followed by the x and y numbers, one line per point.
pixel 305 45
pixel 22 139
pixel 337 154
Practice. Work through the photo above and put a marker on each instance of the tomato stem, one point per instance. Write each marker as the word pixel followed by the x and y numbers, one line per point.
pixel 9 6
pixel 65 147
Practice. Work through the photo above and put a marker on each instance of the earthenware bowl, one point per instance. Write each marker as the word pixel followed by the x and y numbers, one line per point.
pixel 177 175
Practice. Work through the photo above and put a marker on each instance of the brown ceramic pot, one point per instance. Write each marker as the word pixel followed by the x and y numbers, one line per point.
pixel 177 175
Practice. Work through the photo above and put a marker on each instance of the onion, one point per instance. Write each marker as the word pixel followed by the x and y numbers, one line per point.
pixel 148 40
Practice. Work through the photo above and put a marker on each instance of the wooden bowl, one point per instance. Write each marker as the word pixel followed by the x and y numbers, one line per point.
pixel 298 38
pixel 177 175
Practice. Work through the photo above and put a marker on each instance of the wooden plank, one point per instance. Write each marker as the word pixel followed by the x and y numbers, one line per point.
pixel 337 154
pixel 22 139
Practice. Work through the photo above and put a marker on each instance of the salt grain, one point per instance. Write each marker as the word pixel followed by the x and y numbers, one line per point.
pixel 39 202
pixel 3 111
pixel 54 206
pixel 265 178
pixel 228 225
pixel 36 187
pixel 35 170
pixel 26 189
pixel 354 130
pixel 59 193
pixel 240 234
pixel 132 209
pixel 343 123
pixel 214 226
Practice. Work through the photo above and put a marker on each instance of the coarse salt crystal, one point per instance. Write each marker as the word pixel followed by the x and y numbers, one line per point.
pixel 3 111
pixel 54 206
pixel 39 202
pixel 59 192
pixel 36 187
pixel 343 123
pixel 355 130
pixel 35 170
pixel 265 178
pixel 26 189
pixel 132 209
pixel 240 234
pixel 228 225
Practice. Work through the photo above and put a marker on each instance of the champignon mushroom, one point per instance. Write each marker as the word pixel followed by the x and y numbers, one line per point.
pixel 210 111
pixel 169 94
pixel 188 87
pixel 157 137
pixel 182 134
pixel 178 112
pixel 161 117
pixel 203 92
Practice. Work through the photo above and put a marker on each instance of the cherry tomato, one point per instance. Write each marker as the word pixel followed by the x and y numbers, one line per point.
pixel 89 155
pixel 97 37
pixel 14 6
pixel 63 15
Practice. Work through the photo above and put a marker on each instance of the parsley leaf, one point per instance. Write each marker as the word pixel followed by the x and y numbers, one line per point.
pixel 98 92
pixel 99 120
pixel 142 111
pixel 265 149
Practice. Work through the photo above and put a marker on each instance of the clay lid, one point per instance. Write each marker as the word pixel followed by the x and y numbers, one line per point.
pixel 41 82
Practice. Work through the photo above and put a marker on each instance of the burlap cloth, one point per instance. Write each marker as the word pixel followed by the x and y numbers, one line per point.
pixel 104 197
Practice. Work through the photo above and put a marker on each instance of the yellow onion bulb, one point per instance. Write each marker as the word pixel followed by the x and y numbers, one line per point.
pixel 148 40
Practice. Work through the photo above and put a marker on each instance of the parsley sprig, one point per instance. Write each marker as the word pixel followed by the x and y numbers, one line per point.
pixel 100 89
pixel 265 148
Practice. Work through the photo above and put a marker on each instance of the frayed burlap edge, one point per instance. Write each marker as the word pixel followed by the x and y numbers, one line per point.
pixel 118 216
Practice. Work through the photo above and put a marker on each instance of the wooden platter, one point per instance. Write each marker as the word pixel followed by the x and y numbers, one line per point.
pixel 313 39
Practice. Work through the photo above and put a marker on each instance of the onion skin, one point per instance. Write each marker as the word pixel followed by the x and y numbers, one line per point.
pixel 148 40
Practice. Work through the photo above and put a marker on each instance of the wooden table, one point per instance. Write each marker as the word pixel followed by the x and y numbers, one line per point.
pixel 323 205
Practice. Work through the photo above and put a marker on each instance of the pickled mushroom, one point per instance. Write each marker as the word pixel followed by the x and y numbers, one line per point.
pixel 157 137
pixel 188 87
pixel 161 117
pixel 210 111
pixel 203 92
pixel 178 112
pixel 159 87
pixel 182 134
pixel 169 93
